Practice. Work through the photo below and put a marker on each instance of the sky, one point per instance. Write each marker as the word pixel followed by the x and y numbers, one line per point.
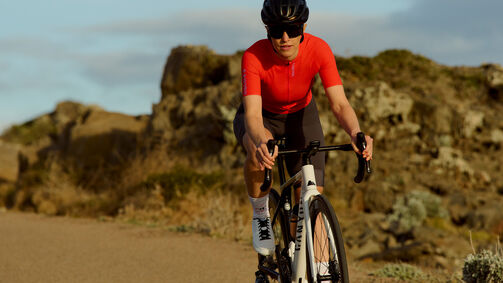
pixel 112 53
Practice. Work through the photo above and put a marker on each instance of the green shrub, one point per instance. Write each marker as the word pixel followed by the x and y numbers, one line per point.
pixel 401 271
pixel 432 204
pixel 412 209
pixel 407 214
pixel 483 267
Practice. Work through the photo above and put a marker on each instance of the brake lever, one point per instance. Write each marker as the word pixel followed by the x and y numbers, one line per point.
pixel 268 172
pixel 363 165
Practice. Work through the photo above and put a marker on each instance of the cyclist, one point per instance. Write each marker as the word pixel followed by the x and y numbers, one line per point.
pixel 277 75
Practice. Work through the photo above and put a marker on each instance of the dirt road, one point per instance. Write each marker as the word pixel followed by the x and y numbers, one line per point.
pixel 36 248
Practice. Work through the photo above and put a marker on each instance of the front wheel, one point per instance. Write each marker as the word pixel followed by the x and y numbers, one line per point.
pixel 329 254
pixel 276 267
pixel 280 237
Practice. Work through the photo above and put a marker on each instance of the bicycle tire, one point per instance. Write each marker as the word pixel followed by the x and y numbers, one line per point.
pixel 337 264
pixel 280 237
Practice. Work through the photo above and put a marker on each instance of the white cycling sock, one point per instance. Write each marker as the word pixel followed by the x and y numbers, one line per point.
pixel 260 206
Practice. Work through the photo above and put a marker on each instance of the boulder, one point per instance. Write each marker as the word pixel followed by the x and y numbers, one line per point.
pixel 451 158
pixel 473 121
pixel 496 136
pixel 381 102
pixel 199 122
pixel 105 136
pixel 494 73
pixel 69 111
pixel 494 81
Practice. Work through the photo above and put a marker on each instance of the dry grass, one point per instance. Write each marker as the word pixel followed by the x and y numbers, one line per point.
pixel 57 194
pixel 186 205
pixel 6 192
pixel 215 213
pixel 155 161
pixel 154 189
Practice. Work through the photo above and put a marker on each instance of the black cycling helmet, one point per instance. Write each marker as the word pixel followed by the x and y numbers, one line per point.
pixel 276 12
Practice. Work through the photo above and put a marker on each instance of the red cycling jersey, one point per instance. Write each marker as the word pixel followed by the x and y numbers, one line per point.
pixel 285 87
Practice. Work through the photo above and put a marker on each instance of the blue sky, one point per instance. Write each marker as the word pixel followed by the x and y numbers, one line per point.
pixel 112 53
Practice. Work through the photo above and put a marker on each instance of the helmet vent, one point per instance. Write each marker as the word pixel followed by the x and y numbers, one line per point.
pixel 284 12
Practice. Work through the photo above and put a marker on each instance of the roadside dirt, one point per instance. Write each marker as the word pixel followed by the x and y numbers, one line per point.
pixel 35 248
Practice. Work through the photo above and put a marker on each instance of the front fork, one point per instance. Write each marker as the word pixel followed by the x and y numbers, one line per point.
pixel 303 236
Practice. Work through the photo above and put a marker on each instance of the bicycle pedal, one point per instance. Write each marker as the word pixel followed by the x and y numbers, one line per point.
pixel 269 262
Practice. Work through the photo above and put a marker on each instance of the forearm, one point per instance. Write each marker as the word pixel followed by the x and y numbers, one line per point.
pixel 255 129
pixel 347 119
pixel 346 116
pixel 253 119
pixel 342 110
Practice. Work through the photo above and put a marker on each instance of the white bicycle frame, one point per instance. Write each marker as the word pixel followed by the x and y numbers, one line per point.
pixel 302 235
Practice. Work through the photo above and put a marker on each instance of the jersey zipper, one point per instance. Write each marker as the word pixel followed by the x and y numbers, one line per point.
pixel 289 70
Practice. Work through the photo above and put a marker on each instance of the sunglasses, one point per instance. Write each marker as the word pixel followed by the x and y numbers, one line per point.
pixel 292 30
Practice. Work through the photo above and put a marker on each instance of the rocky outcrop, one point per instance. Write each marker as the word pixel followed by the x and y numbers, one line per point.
pixel 200 96
pixel 424 117
pixel 78 137
pixel 192 67
pixel 104 139
pixel 199 123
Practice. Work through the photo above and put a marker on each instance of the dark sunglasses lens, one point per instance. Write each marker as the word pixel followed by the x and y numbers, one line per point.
pixel 276 31
pixel 294 31
pixel 291 30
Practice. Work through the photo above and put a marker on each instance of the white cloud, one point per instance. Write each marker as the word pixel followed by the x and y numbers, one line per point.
pixel 123 67
pixel 34 47
pixel 224 31
pixel 454 31
pixel 439 30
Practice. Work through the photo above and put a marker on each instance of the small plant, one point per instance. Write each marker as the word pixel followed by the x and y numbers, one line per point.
pixel 484 266
pixel 401 271
pixel 412 209
pixel 407 214
pixel 432 204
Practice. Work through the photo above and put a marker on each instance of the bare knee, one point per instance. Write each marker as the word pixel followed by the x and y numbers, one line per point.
pixel 320 189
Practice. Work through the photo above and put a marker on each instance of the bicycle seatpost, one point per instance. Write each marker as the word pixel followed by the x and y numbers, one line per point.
pixel 267 173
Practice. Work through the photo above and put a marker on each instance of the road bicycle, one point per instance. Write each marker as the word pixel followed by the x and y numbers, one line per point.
pixel 316 252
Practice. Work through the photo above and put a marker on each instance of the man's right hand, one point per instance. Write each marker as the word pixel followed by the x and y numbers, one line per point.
pixel 264 159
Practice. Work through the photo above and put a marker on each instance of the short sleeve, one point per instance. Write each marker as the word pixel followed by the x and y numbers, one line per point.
pixel 328 68
pixel 250 74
